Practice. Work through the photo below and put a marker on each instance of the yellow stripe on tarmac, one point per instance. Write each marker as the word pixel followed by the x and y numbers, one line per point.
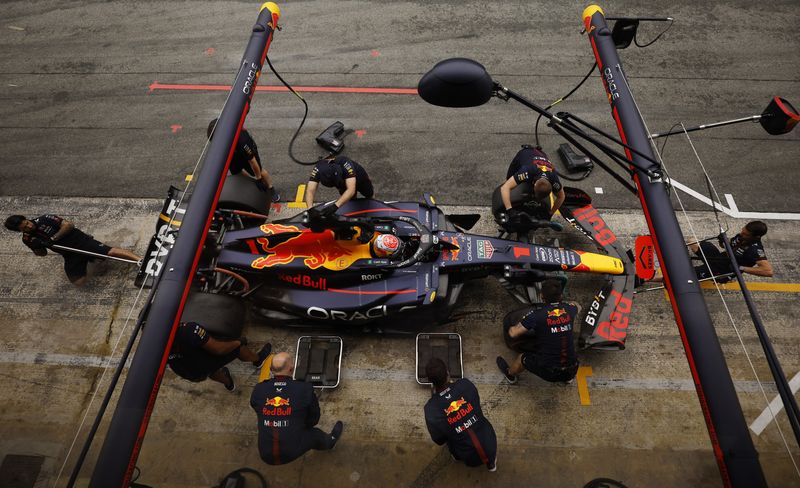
pixel 583 387
pixel 755 286
pixel 188 178
pixel 264 375
pixel 299 201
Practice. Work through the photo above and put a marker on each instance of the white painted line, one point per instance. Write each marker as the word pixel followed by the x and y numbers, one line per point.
pixel 775 406
pixel 734 211
pixel 698 196
pixel 731 203
pixel 361 374
pixel 598 190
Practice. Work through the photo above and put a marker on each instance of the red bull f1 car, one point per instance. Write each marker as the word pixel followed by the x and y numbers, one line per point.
pixel 317 268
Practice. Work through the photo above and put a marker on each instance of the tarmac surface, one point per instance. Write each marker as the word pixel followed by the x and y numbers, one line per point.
pixel 87 133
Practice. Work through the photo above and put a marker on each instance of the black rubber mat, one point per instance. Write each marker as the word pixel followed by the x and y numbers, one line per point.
pixel 18 471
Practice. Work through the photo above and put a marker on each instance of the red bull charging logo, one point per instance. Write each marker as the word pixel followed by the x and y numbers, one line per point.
pixel 454 406
pixel 316 248
pixel 280 407
pixel 277 401
pixel 457 410
pixel 451 254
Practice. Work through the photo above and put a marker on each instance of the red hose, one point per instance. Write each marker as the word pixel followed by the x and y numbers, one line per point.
pixel 238 277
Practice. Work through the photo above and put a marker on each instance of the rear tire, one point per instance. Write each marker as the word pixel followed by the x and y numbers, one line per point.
pixel 520 344
pixel 221 315
pixel 241 193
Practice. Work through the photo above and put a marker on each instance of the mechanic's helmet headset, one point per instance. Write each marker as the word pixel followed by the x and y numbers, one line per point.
pixel 386 245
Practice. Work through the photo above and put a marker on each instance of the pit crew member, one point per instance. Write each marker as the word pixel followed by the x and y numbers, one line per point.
pixel 42 232
pixel 246 157
pixel 454 416
pixel 529 166
pixel 196 355
pixel 553 358
pixel 288 412
pixel 747 249
pixel 341 173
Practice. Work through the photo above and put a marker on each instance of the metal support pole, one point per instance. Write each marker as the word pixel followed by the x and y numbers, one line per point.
pixel 784 390
pixel 733 448
pixel 117 459
pixel 752 118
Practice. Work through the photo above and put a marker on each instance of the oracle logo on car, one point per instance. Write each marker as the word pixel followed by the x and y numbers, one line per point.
pixel 357 315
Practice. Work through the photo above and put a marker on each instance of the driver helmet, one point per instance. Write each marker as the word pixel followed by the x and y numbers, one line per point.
pixel 386 245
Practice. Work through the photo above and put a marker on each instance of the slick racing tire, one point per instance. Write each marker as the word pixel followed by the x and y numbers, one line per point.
pixel 241 193
pixel 221 315
pixel 520 344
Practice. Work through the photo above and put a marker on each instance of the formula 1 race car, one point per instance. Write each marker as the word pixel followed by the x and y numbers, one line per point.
pixel 396 264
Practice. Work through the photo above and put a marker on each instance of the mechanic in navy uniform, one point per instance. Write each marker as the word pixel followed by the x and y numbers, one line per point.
pixel 42 232
pixel 246 158
pixel 454 416
pixel 288 412
pixel 196 355
pixel 530 166
pixel 550 327
pixel 341 173
pixel 747 249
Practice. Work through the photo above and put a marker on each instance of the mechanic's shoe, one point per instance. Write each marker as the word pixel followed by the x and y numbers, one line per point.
pixel 336 433
pixel 230 385
pixel 276 197
pixel 493 466
pixel 503 365
pixel 262 355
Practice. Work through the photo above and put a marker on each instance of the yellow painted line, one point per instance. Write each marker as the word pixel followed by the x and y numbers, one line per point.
pixel 264 374
pixel 755 286
pixel 583 387
pixel 299 198
pixel 188 178
pixel 176 223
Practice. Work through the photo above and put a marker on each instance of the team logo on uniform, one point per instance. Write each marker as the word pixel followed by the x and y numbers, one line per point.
pixel 455 406
pixel 277 401
pixel 556 313
pixel 485 249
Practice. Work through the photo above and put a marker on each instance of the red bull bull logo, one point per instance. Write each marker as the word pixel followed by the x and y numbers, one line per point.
pixel 457 410
pixel 455 406
pixel 315 248
pixel 451 254
pixel 560 319
pixel 277 403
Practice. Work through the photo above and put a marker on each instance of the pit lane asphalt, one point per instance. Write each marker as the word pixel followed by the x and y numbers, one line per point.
pixel 79 121
pixel 78 113
pixel 643 424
